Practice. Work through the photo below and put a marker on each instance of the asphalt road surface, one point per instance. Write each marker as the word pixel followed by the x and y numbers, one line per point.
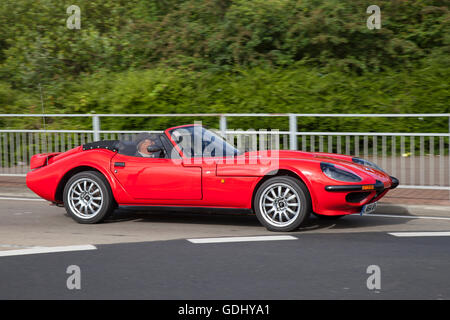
pixel 148 254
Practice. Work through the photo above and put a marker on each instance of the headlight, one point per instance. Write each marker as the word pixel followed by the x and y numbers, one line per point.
pixel 340 174
pixel 367 163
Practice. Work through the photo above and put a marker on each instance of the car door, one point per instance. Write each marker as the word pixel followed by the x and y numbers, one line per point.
pixel 157 178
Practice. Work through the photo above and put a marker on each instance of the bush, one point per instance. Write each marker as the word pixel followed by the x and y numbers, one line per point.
pixel 297 89
pixel 217 56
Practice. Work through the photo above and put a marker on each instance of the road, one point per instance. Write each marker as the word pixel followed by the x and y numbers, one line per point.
pixel 146 254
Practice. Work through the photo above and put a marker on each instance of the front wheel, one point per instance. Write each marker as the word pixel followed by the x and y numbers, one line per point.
pixel 282 203
pixel 88 197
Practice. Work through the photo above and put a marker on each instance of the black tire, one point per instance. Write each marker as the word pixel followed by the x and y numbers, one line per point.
pixel 296 219
pixel 99 189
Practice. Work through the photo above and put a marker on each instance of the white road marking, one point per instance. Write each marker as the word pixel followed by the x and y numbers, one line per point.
pixel 241 239
pixel 13 246
pixel 37 250
pixel 421 234
pixel 21 199
pixel 403 217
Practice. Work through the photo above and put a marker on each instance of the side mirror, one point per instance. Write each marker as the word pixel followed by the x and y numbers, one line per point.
pixel 153 149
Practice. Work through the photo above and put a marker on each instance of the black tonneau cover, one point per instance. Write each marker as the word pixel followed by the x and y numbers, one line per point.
pixel 112 145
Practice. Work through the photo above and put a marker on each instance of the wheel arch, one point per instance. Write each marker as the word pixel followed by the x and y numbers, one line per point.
pixel 283 172
pixel 69 174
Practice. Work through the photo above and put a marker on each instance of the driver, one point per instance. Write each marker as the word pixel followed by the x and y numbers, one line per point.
pixel 143 141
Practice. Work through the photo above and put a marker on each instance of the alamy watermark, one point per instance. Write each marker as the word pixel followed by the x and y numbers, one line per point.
pixel 198 145
pixel 374 20
pixel 374 280
pixel 74 20
pixel 74 280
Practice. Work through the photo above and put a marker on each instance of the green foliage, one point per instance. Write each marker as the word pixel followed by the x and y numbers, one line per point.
pixel 217 35
pixel 201 56
pixel 297 89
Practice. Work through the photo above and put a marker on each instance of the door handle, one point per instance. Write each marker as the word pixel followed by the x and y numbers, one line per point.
pixel 119 164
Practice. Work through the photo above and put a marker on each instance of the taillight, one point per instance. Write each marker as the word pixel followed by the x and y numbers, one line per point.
pixel 41 159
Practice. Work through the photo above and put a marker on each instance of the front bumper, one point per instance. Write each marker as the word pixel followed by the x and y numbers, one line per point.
pixel 349 199
pixel 395 182
pixel 378 186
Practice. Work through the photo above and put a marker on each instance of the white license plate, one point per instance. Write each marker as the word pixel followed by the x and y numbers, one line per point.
pixel 369 208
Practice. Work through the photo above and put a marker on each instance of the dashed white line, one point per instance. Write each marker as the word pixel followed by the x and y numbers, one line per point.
pixel 21 199
pixel 241 239
pixel 421 234
pixel 38 250
pixel 402 217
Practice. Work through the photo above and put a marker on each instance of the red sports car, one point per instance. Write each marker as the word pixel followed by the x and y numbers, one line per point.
pixel 191 166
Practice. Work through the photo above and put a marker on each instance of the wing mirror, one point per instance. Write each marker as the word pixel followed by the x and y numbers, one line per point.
pixel 153 149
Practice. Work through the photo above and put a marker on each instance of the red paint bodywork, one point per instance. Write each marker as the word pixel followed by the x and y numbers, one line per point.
pixel 222 182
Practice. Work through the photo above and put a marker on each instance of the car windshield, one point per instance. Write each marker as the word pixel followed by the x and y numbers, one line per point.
pixel 197 141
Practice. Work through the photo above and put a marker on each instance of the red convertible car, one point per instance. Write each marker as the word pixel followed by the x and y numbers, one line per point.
pixel 191 166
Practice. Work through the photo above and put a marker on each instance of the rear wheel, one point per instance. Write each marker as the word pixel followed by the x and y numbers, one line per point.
pixel 88 197
pixel 282 203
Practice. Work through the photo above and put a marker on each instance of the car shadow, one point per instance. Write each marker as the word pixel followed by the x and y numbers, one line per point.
pixel 352 222
pixel 242 218
pixel 143 215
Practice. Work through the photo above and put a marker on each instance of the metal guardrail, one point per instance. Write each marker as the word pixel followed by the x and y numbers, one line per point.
pixel 419 160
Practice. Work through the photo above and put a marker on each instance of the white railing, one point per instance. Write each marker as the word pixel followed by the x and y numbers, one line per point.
pixel 419 160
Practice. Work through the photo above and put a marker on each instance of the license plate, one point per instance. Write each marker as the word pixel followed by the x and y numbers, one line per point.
pixel 369 208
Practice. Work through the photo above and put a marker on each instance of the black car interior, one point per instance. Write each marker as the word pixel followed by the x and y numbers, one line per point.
pixel 129 148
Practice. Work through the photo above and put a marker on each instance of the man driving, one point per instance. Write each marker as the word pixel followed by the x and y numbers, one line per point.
pixel 145 140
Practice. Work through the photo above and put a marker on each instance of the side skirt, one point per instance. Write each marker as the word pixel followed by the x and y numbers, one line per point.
pixel 237 211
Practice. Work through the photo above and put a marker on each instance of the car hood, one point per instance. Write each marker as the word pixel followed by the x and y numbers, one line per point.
pixel 290 154
pixel 334 158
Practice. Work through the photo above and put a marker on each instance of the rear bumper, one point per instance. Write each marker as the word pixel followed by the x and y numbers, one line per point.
pixel 43 182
